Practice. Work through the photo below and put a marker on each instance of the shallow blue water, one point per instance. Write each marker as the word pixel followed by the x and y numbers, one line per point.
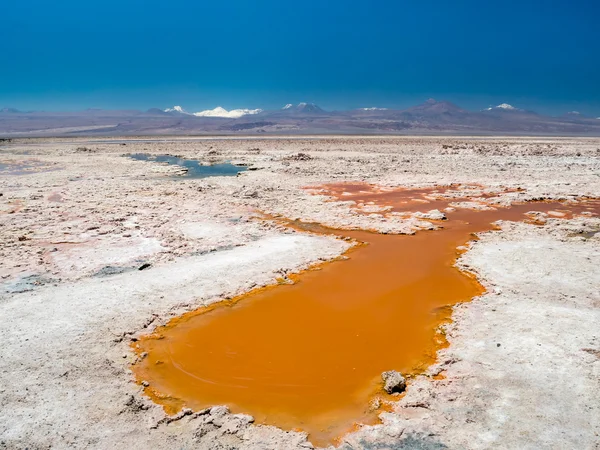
pixel 194 168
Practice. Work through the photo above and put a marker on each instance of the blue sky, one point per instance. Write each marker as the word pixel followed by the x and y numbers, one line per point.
pixel 66 54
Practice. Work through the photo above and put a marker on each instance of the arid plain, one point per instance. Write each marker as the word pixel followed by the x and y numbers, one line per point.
pixel 99 249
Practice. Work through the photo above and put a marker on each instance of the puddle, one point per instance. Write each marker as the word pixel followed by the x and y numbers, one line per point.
pixel 195 169
pixel 309 355
pixel 23 167
pixel 404 200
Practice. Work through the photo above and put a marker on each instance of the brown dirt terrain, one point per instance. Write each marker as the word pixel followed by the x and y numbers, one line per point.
pixel 521 370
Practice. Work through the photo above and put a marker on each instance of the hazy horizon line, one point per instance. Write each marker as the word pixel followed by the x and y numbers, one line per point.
pixel 518 106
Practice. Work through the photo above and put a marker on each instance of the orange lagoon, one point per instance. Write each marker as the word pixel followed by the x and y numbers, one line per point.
pixel 309 355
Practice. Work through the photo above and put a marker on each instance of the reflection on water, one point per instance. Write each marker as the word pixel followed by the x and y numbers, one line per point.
pixel 22 167
pixel 195 169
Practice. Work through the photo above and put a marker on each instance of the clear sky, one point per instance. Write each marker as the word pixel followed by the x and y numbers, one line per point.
pixel 76 54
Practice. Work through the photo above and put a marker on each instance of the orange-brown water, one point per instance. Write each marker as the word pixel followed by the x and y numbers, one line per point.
pixel 406 200
pixel 309 355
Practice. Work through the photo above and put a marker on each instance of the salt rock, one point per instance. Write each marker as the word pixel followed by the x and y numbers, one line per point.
pixel 393 381
pixel 434 214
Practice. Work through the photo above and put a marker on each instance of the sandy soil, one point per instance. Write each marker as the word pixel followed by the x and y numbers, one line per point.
pixel 79 220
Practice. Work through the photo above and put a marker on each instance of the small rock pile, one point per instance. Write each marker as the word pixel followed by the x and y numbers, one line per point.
pixel 300 157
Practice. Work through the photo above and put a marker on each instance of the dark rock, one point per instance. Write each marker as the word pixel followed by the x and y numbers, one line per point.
pixel 300 157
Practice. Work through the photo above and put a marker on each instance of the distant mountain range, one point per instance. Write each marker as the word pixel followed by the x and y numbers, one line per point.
pixel 433 117
pixel 217 112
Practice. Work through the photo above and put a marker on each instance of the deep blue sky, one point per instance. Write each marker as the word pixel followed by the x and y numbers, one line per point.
pixel 75 54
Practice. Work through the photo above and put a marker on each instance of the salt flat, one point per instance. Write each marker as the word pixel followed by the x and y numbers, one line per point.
pixel 522 367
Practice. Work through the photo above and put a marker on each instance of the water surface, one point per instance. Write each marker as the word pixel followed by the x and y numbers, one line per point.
pixel 195 169
pixel 309 355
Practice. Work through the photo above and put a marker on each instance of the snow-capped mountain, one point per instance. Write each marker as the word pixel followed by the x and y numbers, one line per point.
pixel 506 106
pixel 222 112
pixel 177 109
pixel 305 118
pixel 302 108
pixel 217 112
pixel 308 108
pixel 503 106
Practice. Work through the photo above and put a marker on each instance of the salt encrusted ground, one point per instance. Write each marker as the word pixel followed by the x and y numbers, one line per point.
pixel 77 224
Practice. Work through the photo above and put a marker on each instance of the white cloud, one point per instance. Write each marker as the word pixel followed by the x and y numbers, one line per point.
pixel 373 108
